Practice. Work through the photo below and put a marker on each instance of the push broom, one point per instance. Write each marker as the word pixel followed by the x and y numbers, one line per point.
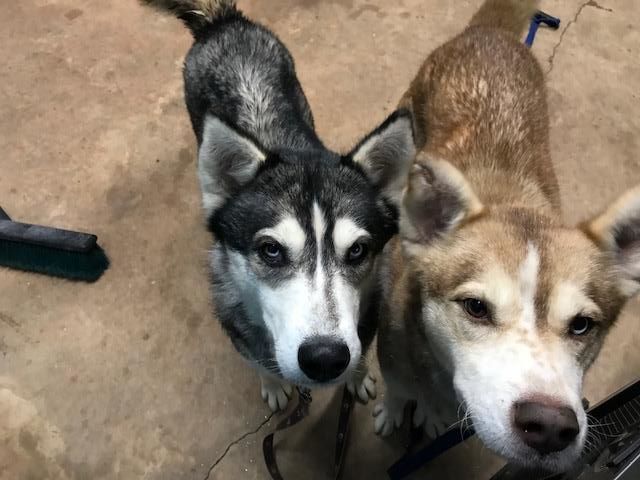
pixel 50 251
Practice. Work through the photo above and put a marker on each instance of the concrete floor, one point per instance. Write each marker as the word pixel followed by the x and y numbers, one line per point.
pixel 131 377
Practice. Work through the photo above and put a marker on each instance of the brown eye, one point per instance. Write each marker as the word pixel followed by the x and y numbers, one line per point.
pixel 580 325
pixel 476 308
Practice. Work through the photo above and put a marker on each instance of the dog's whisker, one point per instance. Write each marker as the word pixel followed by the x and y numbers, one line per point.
pixel 464 421
pixel 600 434
pixel 598 425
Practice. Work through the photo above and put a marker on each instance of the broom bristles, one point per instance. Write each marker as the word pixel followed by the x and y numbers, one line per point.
pixel 85 266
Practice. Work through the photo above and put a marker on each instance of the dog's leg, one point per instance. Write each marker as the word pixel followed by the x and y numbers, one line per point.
pixel 275 392
pixel 388 414
pixel 362 384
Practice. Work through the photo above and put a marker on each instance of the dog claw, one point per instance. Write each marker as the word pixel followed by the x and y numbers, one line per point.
pixel 363 388
pixel 419 415
pixel 433 429
pixel 276 393
pixel 433 424
pixel 386 419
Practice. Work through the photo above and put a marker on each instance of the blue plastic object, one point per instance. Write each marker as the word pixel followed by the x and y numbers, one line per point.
pixel 538 18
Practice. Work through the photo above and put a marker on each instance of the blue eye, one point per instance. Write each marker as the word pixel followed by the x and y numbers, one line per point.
pixel 357 252
pixel 272 253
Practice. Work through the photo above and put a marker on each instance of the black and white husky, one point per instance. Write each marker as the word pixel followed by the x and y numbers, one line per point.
pixel 298 228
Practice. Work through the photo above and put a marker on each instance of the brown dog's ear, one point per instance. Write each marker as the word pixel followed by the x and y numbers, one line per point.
pixel 387 153
pixel 617 231
pixel 436 201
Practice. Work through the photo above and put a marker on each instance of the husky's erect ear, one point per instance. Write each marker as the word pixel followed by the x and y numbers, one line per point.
pixel 437 200
pixel 226 161
pixel 386 154
pixel 617 231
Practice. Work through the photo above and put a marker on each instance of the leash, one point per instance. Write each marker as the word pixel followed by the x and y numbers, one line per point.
pixel 413 461
pixel 346 406
pixel 300 412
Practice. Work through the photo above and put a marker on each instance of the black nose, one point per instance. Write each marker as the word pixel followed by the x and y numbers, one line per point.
pixel 323 358
pixel 545 427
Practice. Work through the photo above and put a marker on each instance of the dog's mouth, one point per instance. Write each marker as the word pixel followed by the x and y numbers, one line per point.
pixel 297 376
pixel 533 431
pixel 532 452
pixel 529 417
pixel 553 463
pixel 327 383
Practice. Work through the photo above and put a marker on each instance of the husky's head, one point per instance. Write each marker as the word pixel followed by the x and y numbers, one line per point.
pixel 517 305
pixel 298 234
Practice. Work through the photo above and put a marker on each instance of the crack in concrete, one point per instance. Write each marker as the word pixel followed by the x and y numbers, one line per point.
pixel 589 3
pixel 557 45
pixel 593 3
pixel 235 442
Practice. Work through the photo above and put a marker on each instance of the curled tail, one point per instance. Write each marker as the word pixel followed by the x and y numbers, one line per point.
pixel 511 15
pixel 197 15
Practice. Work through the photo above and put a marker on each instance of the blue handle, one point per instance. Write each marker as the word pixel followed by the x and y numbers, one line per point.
pixel 538 18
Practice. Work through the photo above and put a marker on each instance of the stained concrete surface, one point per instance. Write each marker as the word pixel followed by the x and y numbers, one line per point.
pixel 131 377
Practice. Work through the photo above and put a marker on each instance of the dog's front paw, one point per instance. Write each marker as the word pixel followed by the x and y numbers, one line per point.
pixel 387 417
pixel 275 393
pixel 434 425
pixel 364 387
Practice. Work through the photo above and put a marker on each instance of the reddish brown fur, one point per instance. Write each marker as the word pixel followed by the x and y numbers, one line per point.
pixel 479 106
pixel 480 103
